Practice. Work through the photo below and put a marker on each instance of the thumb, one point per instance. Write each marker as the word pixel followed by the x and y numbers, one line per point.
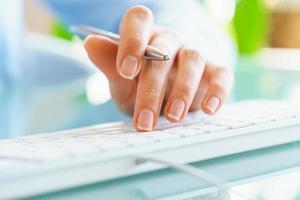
pixel 102 52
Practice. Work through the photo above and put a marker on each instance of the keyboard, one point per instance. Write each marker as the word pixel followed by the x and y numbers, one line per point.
pixel 53 161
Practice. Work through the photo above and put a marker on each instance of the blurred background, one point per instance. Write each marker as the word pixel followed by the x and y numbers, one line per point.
pixel 266 34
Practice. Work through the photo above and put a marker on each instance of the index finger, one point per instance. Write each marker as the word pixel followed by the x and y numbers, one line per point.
pixel 135 33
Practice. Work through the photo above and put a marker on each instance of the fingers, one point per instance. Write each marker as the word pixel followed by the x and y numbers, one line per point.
pixel 200 94
pixel 189 73
pixel 135 32
pixel 145 93
pixel 152 83
pixel 220 84
pixel 102 52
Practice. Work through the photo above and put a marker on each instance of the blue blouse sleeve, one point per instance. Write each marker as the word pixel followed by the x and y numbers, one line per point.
pixel 105 14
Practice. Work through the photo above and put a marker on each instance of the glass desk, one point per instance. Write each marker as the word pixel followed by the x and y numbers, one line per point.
pixel 45 109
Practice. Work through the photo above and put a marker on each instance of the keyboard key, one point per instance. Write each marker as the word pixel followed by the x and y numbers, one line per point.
pixel 257 121
pixel 238 124
pixel 139 141
pixel 164 136
pixel 214 128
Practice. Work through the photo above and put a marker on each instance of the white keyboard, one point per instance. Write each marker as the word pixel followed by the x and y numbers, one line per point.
pixel 108 151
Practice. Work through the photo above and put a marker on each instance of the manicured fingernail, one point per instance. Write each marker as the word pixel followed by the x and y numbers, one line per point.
pixel 213 104
pixel 145 120
pixel 176 109
pixel 129 67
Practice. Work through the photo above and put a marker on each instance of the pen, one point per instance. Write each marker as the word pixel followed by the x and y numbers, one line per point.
pixel 151 53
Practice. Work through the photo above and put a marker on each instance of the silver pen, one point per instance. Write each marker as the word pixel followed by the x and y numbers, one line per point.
pixel 151 53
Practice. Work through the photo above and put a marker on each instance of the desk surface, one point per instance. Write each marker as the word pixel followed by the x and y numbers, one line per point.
pixel 45 109
pixel 277 164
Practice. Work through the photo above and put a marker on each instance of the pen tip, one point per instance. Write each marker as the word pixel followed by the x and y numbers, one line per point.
pixel 166 58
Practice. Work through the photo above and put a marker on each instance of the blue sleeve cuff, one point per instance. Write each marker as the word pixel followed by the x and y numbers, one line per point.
pixel 105 14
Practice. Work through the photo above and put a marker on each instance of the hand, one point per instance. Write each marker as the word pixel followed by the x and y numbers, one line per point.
pixel 144 88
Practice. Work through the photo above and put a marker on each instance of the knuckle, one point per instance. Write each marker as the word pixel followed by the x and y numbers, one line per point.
pixel 135 44
pixel 191 54
pixel 151 93
pixel 169 32
pixel 185 89
pixel 141 12
pixel 158 64
pixel 218 88
pixel 223 71
pixel 135 39
pixel 225 76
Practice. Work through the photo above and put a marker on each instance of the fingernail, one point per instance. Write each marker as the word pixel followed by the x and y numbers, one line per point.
pixel 145 120
pixel 129 67
pixel 176 109
pixel 213 104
